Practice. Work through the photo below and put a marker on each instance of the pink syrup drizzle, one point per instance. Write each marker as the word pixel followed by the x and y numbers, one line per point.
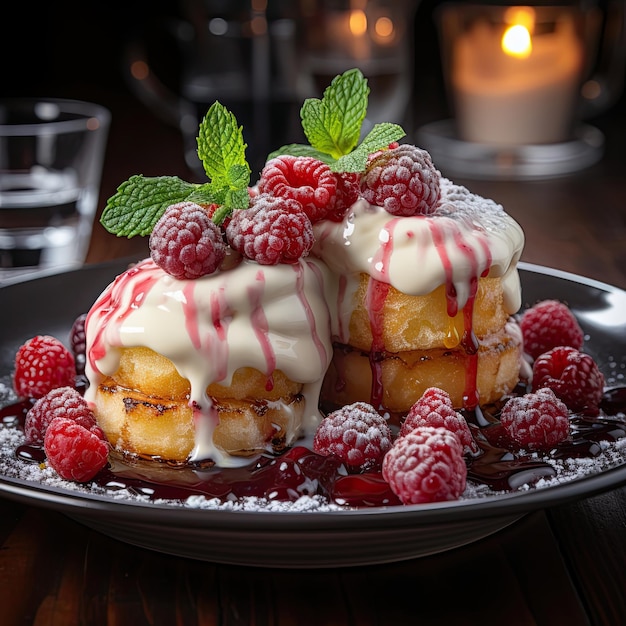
pixel 217 343
pixel 142 278
pixel 375 300
pixel 470 345
pixel 341 296
pixel 261 326
pixel 191 314
pixel 440 245
pixel 306 305
pixel 469 341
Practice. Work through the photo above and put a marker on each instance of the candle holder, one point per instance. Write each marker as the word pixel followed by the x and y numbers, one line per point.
pixel 520 80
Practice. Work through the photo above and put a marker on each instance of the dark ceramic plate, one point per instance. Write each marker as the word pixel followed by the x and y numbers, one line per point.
pixel 311 539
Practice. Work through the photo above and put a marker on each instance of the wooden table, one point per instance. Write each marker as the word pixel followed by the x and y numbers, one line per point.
pixel 565 565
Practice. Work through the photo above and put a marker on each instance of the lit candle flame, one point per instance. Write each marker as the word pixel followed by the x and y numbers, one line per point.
pixel 517 40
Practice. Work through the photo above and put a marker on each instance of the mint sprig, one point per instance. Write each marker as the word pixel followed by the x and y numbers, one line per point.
pixel 221 147
pixel 301 149
pixel 139 202
pixel 379 137
pixel 333 124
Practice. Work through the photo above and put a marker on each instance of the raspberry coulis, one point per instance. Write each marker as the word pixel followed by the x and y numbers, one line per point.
pixel 499 465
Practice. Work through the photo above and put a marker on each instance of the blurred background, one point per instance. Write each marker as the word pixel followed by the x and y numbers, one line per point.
pixel 86 50
pixel 148 63
pixel 77 49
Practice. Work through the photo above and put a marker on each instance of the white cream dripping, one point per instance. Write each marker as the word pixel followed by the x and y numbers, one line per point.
pixel 265 317
pixel 465 238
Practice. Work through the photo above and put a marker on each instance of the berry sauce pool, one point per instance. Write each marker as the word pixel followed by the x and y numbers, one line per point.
pixel 498 467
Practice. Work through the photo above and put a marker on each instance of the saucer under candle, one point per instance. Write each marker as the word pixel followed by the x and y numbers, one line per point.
pixel 473 160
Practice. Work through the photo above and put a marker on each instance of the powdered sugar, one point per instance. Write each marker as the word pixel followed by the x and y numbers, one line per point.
pixel 273 230
pixel 356 433
pixel 403 181
pixel 434 408
pixel 607 456
pixel 610 455
pixel 186 243
pixel 459 203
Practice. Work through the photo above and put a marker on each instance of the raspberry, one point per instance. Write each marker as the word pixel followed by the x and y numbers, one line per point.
pixel 403 181
pixel 78 344
pixel 536 420
pixel 547 325
pixel 356 434
pixel 573 376
pixel 435 409
pixel 186 243
pixel 42 364
pixel 426 465
pixel 348 192
pixel 304 179
pixel 60 402
pixel 73 451
pixel 273 230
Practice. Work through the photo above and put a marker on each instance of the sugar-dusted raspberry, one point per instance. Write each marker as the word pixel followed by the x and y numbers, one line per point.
pixel 549 324
pixel 78 344
pixel 73 451
pixel 426 465
pixel 356 434
pixel 403 181
pixel 60 402
pixel 573 376
pixel 435 409
pixel 304 179
pixel 273 230
pixel 348 192
pixel 536 420
pixel 186 243
pixel 42 364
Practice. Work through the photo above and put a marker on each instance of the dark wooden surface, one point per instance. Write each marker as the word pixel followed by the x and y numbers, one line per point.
pixel 565 565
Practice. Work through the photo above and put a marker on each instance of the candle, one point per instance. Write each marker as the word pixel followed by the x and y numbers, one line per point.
pixel 517 81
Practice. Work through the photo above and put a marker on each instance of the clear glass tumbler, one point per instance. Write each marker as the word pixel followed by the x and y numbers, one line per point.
pixel 51 158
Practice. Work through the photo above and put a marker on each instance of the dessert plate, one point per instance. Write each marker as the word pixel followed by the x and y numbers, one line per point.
pixel 312 538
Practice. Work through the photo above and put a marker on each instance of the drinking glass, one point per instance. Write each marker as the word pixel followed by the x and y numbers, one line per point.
pixel 51 158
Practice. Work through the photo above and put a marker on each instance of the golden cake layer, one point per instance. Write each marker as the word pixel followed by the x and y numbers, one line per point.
pixel 144 409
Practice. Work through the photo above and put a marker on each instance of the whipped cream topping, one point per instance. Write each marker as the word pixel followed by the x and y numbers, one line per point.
pixel 465 238
pixel 266 317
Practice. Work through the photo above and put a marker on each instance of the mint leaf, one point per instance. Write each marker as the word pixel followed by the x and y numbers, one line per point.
pixel 300 149
pixel 139 202
pixel 220 144
pixel 333 124
pixel 206 194
pixel 234 199
pixel 238 176
pixel 238 199
pixel 379 137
